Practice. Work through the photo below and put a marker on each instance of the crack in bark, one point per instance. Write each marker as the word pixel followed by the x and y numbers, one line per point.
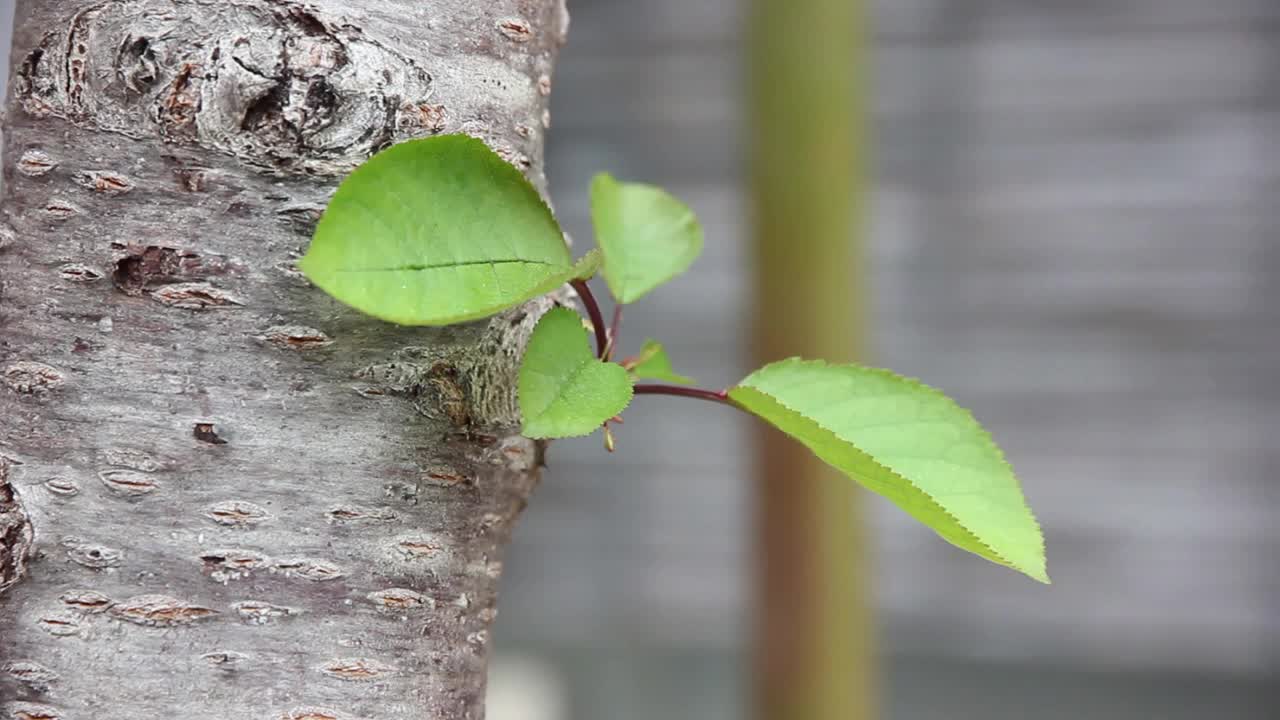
pixel 16 533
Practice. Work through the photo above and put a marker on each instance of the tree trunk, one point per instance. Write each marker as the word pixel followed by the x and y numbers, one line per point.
pixel 222 494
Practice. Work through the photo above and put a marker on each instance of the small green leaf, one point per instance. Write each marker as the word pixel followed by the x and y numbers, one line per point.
pixel 564 390
pixel 437 231
pixel 648 236
pixel 909 443
pixel 584 269
pixel 653 364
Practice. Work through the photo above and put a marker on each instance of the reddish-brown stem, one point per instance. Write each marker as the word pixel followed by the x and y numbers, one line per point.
pixel 613 330
pixel 716 396
pixel 593 312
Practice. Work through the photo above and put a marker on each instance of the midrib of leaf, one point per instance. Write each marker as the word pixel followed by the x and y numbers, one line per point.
pixel 581 368
pixel 449 266
pixel 964 530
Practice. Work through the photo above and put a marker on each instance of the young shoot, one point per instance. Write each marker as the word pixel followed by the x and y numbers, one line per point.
pixel 441 231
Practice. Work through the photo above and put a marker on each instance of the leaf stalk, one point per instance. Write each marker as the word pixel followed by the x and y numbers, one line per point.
pixel 593 312
pixel 715 396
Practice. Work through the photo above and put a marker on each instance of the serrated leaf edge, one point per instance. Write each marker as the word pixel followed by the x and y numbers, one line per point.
pixel 985 438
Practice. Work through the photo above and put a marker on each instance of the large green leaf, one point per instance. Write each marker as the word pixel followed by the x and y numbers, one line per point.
pixel 437 231
pixel 909 443
pixel 564 390
pixel 653 364
pixel 648 236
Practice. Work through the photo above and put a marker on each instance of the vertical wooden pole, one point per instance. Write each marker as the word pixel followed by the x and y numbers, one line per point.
pixel 815 652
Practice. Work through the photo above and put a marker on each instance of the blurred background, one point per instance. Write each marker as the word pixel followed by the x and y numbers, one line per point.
pixel 1073 228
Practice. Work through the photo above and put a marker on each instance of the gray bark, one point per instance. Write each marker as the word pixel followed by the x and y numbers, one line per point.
pixel 221 493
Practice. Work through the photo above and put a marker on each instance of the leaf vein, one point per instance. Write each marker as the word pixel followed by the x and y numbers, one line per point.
pixel 421 267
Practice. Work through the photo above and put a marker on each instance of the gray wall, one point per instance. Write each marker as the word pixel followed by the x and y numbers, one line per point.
pixel 1075 233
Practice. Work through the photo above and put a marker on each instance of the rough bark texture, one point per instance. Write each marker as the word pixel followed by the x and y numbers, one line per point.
pixel 223 495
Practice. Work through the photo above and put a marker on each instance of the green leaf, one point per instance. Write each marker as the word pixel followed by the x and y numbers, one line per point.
pixel 584 269
pixel 909 443
pixel 437 231
pixel 648 236
pixel 564 390
pixel 653 364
